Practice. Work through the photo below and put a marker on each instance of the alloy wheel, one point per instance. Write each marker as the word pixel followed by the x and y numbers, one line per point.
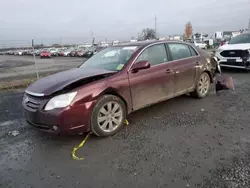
pixel 110 116
pixel 203 85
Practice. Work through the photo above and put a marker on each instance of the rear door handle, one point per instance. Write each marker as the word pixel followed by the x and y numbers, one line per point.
pixel 169 71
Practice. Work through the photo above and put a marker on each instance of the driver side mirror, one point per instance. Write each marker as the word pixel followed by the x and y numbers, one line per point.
pixel 139 65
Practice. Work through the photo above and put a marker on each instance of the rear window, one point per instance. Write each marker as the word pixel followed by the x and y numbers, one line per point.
pixel 179 51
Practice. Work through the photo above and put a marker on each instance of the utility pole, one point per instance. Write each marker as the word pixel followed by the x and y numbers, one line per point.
pixel 34 56
pixel 92 35
pixel 92 38
pixel 61 42
pixel 249 26
pixel 155 25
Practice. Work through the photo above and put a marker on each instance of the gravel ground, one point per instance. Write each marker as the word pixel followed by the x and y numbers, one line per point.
pixel 183 142
pixel 5 64
pixel 18 67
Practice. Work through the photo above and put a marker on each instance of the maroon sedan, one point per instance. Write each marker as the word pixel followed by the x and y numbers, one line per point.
pixel 98 95
pixel 45 54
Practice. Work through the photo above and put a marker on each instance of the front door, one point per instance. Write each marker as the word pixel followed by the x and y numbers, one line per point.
pixel 154 84
pixel 184 60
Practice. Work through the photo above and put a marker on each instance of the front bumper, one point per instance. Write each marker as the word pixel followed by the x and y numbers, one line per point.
pixel 69 120
pixel 234 62
pixel 240 64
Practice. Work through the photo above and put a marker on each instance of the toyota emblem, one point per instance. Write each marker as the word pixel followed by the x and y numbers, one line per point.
pixel 232 53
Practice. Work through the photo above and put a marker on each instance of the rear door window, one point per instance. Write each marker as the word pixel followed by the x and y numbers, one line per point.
pixel 179 51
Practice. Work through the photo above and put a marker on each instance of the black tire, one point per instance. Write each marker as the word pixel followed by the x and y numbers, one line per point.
pixel 95 128
pixel 197 92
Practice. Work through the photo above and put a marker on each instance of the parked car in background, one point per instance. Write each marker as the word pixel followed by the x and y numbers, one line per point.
pixel 67 53
pixel 90 52
pixel 37 52
pixel 79 53
pixel 55 52
pixel 73 53
pixel 45 54
pixel 236 53
pixel 61 52
pixel 98 95
pixel 200 44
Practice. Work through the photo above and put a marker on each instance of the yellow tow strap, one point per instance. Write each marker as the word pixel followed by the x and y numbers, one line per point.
pixel 73 154
pixel 126 122
pixel 79 146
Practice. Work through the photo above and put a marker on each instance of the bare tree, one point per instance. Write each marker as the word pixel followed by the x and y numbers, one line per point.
pixel 188 30
pixel 147 34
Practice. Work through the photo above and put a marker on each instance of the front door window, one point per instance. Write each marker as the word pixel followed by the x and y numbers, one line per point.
pixel 154 54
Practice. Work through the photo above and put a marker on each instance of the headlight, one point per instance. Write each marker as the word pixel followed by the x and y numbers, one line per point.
pixel 60 101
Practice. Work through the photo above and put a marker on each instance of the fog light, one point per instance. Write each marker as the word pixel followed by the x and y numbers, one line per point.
pixel 55 128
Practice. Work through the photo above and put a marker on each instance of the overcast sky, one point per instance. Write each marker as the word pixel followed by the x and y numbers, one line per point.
pixel 73 20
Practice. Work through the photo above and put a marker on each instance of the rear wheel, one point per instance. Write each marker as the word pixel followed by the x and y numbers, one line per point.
pixel 202 86
pixel 108 116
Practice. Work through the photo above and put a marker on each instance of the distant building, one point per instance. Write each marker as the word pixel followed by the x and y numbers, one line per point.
pixel 116 42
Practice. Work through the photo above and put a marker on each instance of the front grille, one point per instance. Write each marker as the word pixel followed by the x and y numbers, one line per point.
pixel 233 53
pixel 33 102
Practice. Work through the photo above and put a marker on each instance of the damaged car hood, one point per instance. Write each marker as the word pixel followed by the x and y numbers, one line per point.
pixel 56 82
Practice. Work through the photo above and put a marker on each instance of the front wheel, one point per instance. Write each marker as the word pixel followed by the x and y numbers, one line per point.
pixel 108 116
pixel 202 86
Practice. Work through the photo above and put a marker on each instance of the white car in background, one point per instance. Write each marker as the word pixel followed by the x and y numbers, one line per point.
pixel 66 53
pixel 20 52
pixel 200 44
pixel 235 54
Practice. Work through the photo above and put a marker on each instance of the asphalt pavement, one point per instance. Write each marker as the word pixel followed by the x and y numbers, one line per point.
pixel 183 142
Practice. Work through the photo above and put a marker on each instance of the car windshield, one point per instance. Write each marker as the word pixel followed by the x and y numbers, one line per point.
pixel 112 58
pixel 243 38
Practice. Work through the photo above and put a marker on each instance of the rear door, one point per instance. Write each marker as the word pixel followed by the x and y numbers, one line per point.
pixel 185 59
pixel 154 84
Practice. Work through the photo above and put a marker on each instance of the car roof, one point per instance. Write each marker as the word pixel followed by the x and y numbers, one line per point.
pixel 148 42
